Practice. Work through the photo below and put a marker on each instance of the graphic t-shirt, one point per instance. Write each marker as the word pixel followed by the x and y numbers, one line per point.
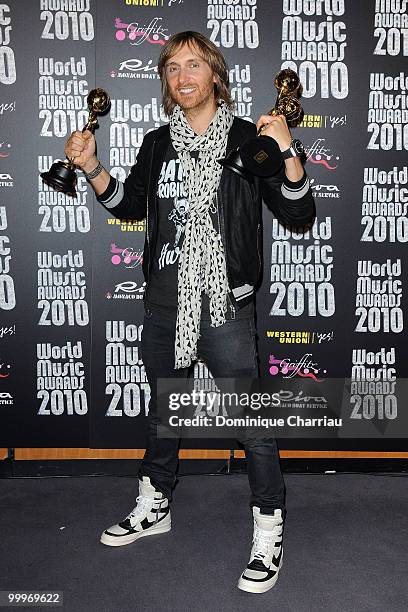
pixel 173 209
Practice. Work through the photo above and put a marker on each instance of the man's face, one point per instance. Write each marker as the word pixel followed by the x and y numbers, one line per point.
pixel 190 79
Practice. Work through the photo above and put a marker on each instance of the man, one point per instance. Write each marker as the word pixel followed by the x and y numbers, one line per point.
pixel 200 281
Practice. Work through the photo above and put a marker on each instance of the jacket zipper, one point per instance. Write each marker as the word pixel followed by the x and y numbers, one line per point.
pixel 258 231
pixel 147 219
pixel 220 214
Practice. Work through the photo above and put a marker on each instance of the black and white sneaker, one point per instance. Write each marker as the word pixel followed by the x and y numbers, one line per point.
pixel 150 516
pixel 265 562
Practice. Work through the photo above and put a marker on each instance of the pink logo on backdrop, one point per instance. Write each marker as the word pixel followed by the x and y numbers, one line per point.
pixel 5 369
pixel 5 149
pixel 317 153
pixel 152 32
pixel 304 367
pixel 127 256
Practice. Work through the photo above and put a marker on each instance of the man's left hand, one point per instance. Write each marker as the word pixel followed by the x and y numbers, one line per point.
pixel 276 127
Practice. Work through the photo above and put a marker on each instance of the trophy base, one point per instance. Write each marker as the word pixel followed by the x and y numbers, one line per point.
pixel 261 156
pixel 233 162
pixel 61 177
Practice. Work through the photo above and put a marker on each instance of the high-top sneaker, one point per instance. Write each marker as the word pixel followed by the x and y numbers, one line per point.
pixel 150 516
pixel 265 562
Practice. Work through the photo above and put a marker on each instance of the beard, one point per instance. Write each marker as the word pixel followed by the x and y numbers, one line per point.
pixel 198 98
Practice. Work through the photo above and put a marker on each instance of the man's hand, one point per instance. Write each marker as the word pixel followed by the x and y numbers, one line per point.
pixel 81 147
pixel 276 127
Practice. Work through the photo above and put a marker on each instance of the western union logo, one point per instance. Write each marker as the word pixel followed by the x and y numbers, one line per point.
pixel 144 2
pixel 128 226
pixel 291 337
pixel 313 121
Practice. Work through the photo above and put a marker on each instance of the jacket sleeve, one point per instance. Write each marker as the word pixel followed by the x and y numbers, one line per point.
pixel 292 203
pixel 128 200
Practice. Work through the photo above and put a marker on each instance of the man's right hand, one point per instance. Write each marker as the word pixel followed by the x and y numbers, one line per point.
pixel 81 147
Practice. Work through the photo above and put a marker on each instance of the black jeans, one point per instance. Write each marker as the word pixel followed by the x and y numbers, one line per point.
pixel 229 351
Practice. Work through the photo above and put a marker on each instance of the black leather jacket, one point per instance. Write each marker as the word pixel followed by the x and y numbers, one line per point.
pixel 239 207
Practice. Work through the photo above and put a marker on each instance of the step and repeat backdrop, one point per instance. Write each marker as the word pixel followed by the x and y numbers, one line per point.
pixel 332 302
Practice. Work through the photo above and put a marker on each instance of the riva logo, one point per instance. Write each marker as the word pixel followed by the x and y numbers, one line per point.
pixel 6 399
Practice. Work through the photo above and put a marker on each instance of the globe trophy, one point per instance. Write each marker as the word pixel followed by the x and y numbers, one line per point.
pixel 62 176
pixel 261 156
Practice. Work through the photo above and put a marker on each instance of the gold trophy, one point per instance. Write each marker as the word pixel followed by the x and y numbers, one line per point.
pixel 261 156
pixel 61 176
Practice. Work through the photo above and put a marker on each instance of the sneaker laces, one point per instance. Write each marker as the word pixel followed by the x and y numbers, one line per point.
pixel 143 506
pixel 263 542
